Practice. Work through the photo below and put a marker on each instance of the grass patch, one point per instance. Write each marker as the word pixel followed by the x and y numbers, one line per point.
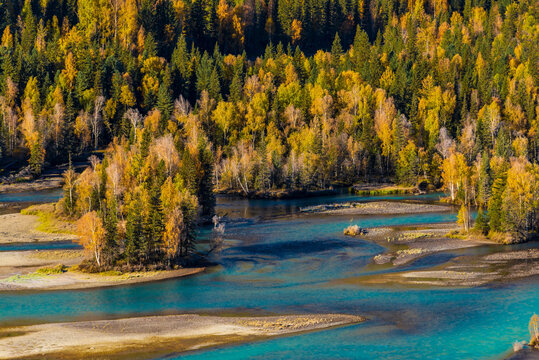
pixel 409 236
pixel 58 269
pixel 502 237
pixel 110 273
pixel 39 273
pixel 415 251
pixel 456 234
pixel 48 221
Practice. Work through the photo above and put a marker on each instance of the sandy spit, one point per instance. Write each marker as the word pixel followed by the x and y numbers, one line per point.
pixel 376 208
pixel 71 280
pixel 146 337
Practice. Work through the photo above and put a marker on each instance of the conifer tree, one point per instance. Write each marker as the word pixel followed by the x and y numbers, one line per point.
pixel 134 231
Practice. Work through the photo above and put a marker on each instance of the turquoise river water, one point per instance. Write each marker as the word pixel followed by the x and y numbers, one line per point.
pixel 276 260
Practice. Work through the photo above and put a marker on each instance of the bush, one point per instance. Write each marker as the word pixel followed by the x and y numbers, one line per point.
pixel 58 269
pixel 354 230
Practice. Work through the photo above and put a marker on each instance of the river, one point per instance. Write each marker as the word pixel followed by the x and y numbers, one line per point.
pixel 276 260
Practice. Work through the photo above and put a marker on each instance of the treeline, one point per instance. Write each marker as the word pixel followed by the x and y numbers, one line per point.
pixel 234 26
pixel 433 91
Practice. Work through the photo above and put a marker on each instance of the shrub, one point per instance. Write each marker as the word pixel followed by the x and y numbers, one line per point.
pixel 354 230
pixel 58 269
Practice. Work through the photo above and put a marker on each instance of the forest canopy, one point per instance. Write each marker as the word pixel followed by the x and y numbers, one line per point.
pixel 256 95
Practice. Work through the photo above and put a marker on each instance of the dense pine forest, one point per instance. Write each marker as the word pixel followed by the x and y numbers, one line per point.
pixel 254 95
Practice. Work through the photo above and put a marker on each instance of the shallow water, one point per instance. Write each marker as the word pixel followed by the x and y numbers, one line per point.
pixel 52 245
pixel 32 196
pixel 275 260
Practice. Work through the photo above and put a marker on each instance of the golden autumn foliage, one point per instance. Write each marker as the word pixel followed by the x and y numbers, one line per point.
pixel 92 235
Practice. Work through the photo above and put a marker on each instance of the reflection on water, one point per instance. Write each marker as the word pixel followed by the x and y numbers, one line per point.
pixel 276 264
pixel 251 208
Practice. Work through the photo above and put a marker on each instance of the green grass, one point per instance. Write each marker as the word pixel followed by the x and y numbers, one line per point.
pixel 110 273
pixel 58 269
pixel 456 234
pixel 48 222
pixel 39 273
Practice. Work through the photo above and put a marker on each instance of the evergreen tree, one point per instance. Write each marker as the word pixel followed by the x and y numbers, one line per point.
pixel 37 158
pixel 336 51
pixel 134 231
pixel 236 87
pixel 111 228
pixel 214 88
pixel 481 222
pixel 495 204
pixel 206 196
pixel 483 190
pixel 165 103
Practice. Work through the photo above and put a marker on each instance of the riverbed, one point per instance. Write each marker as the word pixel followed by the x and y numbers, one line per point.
pixel 276 260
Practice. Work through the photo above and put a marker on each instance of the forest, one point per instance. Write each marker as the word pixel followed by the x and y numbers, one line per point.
pixel 185 98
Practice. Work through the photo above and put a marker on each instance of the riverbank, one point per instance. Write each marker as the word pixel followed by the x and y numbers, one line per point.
pixel 407 244
pixel 19 228
pixel 376 208
pixel 148 337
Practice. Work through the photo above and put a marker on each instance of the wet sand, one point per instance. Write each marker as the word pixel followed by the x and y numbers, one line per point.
pixel 148 337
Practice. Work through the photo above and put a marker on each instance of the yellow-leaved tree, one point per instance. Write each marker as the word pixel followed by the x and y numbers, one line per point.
pixel 92 235
pixel 520 197
pixel 451 174
pixel 172 237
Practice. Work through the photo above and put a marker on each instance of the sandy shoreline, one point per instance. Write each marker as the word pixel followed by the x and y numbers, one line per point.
pixel 18 228
pixel 147 337
pixel 376 208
